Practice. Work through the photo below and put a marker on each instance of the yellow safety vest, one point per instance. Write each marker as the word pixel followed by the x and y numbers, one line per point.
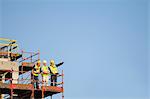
pixel 37 69
pixel 54 69
pixel 45 71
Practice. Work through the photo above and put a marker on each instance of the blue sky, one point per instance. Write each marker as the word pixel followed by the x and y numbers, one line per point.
pixel 149 41
pixel 104 43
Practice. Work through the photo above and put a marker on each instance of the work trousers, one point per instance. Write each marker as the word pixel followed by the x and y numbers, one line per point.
pixel 35 82
pixel 45 80
pixel 53 80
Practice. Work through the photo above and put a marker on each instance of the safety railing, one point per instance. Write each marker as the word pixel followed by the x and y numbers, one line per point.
pixel 28 60
pixel 9 49
pixel 31 80
pixel 32 88
pixel 31 57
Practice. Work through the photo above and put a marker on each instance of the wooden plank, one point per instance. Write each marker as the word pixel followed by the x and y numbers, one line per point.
pixel 53 89
pixel 8 44
pixel 4 86
pixel 25 90
pixel 12 54
pixel 27 64
pixel 5 39
pixel 30 86
pixel 21 86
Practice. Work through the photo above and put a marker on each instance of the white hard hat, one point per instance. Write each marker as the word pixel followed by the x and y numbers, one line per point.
pixel 44 61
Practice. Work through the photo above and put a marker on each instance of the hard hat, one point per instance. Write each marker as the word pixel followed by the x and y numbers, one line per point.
pixel 44 61
pixel 52 61
pixel 38 61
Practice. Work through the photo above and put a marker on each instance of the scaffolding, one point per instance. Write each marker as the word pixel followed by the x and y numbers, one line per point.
pixel 16 80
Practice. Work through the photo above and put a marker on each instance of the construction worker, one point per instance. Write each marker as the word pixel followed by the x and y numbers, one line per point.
pixel 35 73
pixel 54 72
pixel 45 73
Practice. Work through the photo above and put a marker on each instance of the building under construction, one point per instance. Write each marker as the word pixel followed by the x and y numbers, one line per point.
pixel 15 74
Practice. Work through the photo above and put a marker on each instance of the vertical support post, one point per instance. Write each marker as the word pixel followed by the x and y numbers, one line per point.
pixel 21 63
pixel 31 57
pixel 11 95
pixel 3 81
pixel 22 54
pixel 8 53
pixel 32 94
pixel 11 87
pixel 62 84
pixel 32 82
pixel 43 92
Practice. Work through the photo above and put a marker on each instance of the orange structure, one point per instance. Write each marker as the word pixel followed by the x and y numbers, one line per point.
pixel 15 74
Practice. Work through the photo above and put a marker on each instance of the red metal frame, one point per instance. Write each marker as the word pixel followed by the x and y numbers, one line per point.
pixel 31 60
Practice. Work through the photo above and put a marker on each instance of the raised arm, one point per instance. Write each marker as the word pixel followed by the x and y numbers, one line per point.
pixel 57 65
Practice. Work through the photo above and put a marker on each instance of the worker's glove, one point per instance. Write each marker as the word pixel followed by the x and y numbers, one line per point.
pixel 45 72
pixel 57 74
pixel 38 72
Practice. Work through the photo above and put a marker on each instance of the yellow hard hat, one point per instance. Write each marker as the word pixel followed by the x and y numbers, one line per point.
pixel 38 61
pixel 52 61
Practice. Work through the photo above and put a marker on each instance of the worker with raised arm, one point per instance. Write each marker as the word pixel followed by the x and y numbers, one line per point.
pixel 45 71
pixel 35 73
pixel 54 72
